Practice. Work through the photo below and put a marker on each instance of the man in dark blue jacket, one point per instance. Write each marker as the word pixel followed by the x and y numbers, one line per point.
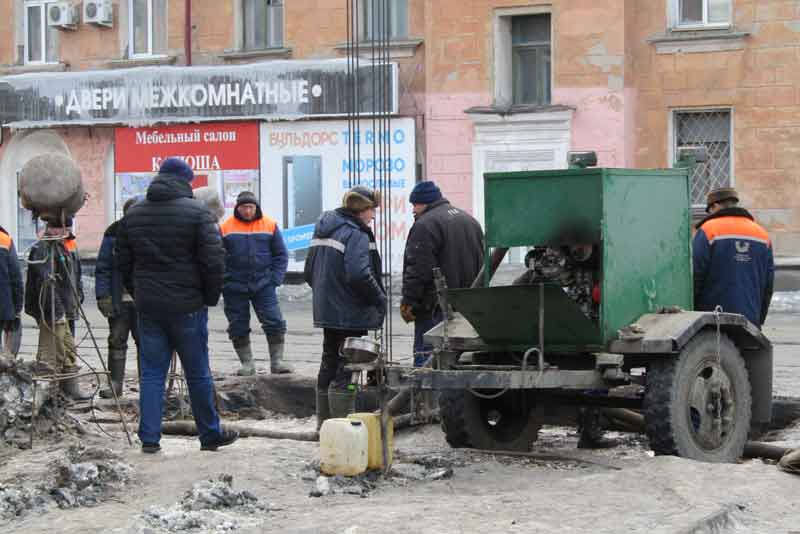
pixel 344 270
pixel 169 252
pixel 116 305
pixel 255 264
pixel 733 262
pixel 11 291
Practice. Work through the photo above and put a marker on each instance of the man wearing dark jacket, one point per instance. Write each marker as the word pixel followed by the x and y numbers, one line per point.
pixel 11 291
pixel 442 236
pixel 733 262
pixel 116 305
pixel 255 264
pixel 170 255
pixel 344 270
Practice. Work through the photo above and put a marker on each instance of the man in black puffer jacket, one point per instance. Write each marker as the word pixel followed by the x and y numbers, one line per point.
pixel 343 268
pixel 169 252
pixel 442 236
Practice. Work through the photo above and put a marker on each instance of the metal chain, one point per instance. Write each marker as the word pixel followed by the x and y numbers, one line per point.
pixel 717 311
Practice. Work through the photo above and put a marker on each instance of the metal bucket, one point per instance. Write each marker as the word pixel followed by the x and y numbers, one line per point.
pixel 360 350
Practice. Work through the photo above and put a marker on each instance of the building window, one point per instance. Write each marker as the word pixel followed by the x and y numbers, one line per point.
pixel 712 130
pixel 702 13
pixel 263 24
pixel 147 27
pixel 530 51
pixel 40 39
pixel 373 19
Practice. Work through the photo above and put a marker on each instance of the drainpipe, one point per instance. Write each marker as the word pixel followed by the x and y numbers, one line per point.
pixel 187 33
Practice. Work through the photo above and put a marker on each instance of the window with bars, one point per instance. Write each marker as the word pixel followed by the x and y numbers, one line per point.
pixel 710 129
pixel 263 24
pixel 40 39
pixel 147 27
pixel 700 13
pixel 373 19
pixel 530 43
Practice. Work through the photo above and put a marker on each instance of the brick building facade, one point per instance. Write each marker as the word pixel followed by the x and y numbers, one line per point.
pixel 486 85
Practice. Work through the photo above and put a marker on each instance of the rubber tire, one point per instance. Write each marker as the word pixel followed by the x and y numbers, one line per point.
pixel 464 425
pixel 666 396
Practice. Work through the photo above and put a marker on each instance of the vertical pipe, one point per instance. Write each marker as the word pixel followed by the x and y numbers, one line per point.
pixel 187 33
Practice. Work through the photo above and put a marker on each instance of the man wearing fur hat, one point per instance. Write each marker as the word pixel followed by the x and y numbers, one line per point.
pixel 733 262
pixel 344 270
pixel 442 236
pixel 255 264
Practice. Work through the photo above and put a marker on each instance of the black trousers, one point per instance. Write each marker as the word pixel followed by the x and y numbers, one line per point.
pixel 331 369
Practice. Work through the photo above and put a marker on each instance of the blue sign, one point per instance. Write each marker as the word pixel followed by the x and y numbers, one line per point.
pixel 299 237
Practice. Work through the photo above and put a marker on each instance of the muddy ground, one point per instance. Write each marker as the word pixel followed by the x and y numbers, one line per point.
pixel 622 488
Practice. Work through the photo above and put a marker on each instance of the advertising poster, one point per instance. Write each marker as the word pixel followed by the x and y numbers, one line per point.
pixel 224 156
pixel 306 168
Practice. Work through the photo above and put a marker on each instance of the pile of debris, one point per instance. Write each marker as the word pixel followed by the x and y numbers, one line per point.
pixel 401 474
pixel 211 505
pixel 17 404
pixel 86 476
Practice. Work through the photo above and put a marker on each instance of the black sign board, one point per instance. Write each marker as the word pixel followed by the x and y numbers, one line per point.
pixel 275 90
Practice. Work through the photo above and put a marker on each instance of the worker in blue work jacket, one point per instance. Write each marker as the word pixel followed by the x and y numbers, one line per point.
pixel 11 291
pixel 255 264
pixel 733 262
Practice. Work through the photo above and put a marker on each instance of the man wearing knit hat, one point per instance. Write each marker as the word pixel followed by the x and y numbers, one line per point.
pixel 732 257
pixel 343 269
pixel 442 236
pixel 169 253
pixel 255 264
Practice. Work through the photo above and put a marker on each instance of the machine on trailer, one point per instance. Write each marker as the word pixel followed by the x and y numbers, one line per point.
pixel 601 317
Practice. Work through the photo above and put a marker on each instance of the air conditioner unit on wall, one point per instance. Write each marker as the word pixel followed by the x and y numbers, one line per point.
pixel 99 12
pixel 62 15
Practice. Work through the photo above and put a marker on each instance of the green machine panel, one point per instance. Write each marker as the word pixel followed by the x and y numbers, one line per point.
pixel 639 219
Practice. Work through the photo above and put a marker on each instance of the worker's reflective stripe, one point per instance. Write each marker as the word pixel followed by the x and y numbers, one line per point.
pixel 373 246
pixel 248 233
pixel 338 245
pixel 739 237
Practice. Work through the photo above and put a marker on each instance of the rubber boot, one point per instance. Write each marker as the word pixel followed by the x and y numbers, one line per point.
pixel 71 387
pixel 323 409
pixel 341 402
pixel 276 363
pixel 245 354
pixel 116 368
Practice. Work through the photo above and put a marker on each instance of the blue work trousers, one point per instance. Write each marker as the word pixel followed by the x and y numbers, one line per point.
pixel 265 304
pixel 423 351
pixel 159 337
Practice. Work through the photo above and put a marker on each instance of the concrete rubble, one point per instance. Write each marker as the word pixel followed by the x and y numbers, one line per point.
pixel 210 506
pixel 17 404
pixel 84 476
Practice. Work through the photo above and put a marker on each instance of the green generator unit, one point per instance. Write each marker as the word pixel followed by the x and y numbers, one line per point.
pixel 600 317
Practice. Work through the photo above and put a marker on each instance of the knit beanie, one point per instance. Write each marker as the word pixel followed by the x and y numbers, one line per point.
pixel 246 197
pixel 360 198
pixel 425 193
pixel 178 168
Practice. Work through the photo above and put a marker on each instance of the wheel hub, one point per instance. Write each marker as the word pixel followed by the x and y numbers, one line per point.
pixel 711 406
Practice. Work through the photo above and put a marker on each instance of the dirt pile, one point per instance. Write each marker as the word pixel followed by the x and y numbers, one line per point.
pixel 85 476
pixel 17 404
pixel 402 473
pixel 210 506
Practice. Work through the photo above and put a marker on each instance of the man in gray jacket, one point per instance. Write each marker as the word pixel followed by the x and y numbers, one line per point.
pixel 344 270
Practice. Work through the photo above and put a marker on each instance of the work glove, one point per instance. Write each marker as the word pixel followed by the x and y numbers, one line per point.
pixel 406 313
pixel 106 306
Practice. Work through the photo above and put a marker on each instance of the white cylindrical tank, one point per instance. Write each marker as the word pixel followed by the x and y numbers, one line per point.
pixel 50 185
pixel 343 447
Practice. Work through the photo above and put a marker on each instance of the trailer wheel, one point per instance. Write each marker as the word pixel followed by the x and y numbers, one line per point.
pixel 506 422
pixel 697 406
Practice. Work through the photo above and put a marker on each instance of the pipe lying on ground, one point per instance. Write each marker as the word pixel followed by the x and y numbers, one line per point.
pixel 752 449
pixel 188 428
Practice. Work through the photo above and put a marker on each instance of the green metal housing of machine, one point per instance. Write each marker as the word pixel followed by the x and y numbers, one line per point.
pixel 601 317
